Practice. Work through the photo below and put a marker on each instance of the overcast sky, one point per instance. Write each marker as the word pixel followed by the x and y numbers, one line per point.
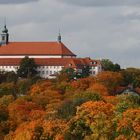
pixel 96 28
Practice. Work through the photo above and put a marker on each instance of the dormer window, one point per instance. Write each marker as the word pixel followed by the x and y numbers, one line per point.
pixel 70 65
pixel 93 62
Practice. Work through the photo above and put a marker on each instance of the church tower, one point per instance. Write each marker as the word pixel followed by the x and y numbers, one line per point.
pixel 59 37
pixel 4 36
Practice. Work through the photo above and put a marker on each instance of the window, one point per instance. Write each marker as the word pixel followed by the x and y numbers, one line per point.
pixel 3 38
pixel 70 65
pixel 93 72
pixel 47 72
pixel 50 72
pixel 42 72
pixel 94 62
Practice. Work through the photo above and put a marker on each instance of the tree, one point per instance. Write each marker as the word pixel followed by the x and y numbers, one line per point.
pixel 11 76
pixel 109 66
pixel 99 88
pixel 66 75
pixel 131 76
pixel 27 68
pixel 111 80
pixel 129 125
pixel 7 89
pixel 93 121
pixel 85 72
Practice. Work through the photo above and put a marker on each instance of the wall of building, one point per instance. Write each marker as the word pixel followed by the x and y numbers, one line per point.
pixel 9 68
pixel 95 70
pixel 48 71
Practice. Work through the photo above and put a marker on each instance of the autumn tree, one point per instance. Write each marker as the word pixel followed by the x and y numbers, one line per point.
pixel 83 84
pixel 111 80
pixel 7 89
pixel 129 125
pixel 93 120
pixel 20 110
pixel 66 74
pixel 99 88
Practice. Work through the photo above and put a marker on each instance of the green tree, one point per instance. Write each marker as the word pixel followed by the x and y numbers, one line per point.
pixel 131 76
pixel 27 68
pixel 85 71
pixel 11 76
pixel 66 75
pixel 110 66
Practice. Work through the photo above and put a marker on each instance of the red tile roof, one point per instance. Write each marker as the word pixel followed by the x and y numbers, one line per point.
pixel 35 48
pixel 66 62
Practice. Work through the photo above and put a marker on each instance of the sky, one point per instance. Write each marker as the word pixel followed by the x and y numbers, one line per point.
pixel 108 29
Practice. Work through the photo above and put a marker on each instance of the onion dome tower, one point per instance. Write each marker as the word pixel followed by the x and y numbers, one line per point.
pixel 4 36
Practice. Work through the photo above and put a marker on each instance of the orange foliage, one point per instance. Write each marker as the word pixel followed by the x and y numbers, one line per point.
pixel 55 127
pixel 83 84
pixel 130 123
pixel 121 137
pixel 20 110
pixel 111 99
pixel 96 107
pixel 36 114
pixel 96 117
pixel 99 88
pixel 138 90
pixel 25 131
pixel 40 87
pixel 50 129
pixel 110 79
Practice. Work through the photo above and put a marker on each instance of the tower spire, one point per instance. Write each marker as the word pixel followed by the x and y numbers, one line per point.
pixel 59 37
pixel 4 34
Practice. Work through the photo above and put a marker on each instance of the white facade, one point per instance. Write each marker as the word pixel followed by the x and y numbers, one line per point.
pixel 47 71
pixel 95 70
pixel 9 68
